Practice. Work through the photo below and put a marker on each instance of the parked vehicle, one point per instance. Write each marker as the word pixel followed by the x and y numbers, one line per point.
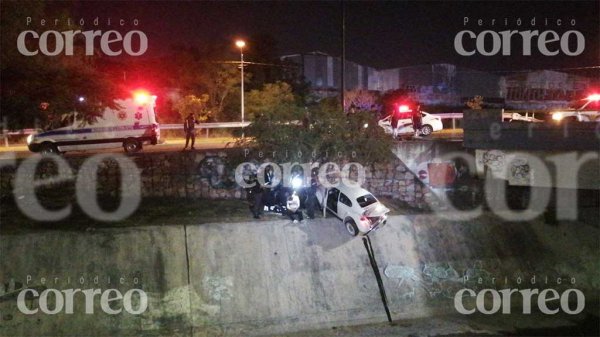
pixel 576 116
pixel 430 122
pixel 130 127
pixel 528 117
pixel 588 112
pixel 358 209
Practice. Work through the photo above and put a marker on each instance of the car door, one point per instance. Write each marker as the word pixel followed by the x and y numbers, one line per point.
pixel 332 200
pixel 344 206
pixel 67 136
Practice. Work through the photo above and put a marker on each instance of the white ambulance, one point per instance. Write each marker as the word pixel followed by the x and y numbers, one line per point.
pixel 131 126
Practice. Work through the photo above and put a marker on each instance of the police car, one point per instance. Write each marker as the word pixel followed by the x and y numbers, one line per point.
pixel 588 112
pixel 430 123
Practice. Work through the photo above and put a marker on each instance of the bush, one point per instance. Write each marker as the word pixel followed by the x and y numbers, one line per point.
pixel 286 132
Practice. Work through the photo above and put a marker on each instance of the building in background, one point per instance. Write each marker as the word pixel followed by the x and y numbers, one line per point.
pixel 543 89
pixel 444 84
pixel 323 72
pixel 441 84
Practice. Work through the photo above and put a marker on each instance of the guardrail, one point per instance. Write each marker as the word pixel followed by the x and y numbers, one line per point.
pixel 5 133
pixel 451 115
pixel 206 126
pixel 217 125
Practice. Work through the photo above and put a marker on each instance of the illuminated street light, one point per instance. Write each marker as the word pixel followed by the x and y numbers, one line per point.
pixel 241 44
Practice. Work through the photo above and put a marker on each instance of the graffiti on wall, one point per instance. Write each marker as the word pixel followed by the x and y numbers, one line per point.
pixel 439 279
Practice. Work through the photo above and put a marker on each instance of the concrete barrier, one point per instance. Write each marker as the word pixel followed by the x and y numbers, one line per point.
pixel 273 276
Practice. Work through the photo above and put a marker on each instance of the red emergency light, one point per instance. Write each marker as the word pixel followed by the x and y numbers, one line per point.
pixel 593 97
pixel 404 108
pixel 142 97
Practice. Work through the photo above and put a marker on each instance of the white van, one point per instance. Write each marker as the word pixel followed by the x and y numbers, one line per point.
pixel 130 127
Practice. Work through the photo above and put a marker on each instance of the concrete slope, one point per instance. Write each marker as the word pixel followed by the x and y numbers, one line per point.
pixel 271 277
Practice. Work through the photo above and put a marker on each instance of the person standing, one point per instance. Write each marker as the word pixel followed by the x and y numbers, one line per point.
pixel 189 126
pixel 417 120
pixel 394 123
pixel 269 198
pixel 311 198
pixel 254 197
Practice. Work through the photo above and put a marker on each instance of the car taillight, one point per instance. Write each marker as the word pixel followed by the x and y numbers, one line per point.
pixel 365 220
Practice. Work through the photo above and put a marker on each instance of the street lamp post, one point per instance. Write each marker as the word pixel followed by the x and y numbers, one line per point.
pixel 241 44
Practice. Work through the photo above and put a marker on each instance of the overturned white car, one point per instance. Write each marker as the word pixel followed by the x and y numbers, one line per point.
pixel 359 210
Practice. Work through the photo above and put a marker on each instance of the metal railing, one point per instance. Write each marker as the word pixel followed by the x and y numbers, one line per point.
pixel 217 125
pixel 451 115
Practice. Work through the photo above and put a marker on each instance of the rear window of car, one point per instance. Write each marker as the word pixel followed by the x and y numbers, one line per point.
pixel 366 200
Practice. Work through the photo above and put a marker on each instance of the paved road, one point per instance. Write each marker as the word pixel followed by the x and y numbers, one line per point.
pixel 176 144
pixel 170 145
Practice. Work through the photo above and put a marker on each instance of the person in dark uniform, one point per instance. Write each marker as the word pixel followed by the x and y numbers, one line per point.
pixel 311 197
pixel 189 128
pixel 270 188
pixel 394 122
pixel 417 120
pixel 254 196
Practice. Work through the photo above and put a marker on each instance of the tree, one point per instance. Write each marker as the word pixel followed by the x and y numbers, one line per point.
pixel 273 98
pixel 35 86
pixel 475 103
pixel 207 72
pixel 356 100
pixel 288 132
pixel 196 106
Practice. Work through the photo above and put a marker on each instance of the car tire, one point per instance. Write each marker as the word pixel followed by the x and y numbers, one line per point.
pixel 48 148
pixel 426 130
pixel 351 227
pixel 132 145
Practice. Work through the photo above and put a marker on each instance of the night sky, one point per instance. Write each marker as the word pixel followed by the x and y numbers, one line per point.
pixel 381 34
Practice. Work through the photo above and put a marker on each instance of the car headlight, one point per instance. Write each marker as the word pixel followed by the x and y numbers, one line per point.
pixel 30 139
pixel 557 116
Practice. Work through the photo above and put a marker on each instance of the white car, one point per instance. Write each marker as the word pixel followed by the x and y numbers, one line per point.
pixel 588 112
pixel 431 124
pixel 359 210
pixel 575 116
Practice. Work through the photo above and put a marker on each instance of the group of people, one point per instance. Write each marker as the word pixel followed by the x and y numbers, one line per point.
pixel 275 198
pixel 415 117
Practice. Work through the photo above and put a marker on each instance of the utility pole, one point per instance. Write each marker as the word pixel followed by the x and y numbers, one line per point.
pixel 343 86
pixel 241 44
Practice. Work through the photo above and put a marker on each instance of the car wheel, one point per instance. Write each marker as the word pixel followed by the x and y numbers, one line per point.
pixel 48 148
pixel 351 227
pixel 132 146
pixel 426 130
